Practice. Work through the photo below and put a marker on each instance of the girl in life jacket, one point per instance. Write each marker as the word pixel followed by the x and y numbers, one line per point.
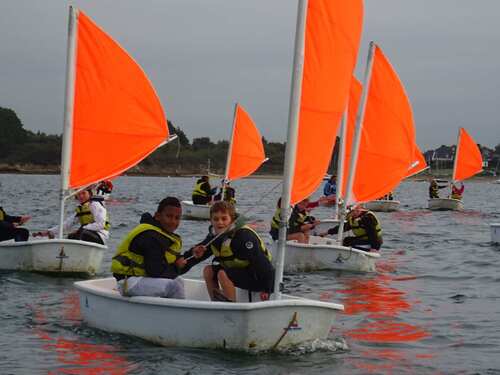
pixel 240 257
pixel 91 216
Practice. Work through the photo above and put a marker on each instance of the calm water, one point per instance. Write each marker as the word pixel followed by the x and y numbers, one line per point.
pixel 432 308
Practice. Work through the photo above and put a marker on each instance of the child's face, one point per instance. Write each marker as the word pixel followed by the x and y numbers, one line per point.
pixel 169 218
pixel 83 196
pixel 220 221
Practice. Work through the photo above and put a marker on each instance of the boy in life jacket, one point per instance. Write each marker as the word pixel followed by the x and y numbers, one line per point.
pixel 300 222
pixel 148 261
pixel 294 234
pixel 92 217
pixel 202 192
pixel 9 227
pixel 229 193
pixel 434 189
pixel 365 227
pixel 240 257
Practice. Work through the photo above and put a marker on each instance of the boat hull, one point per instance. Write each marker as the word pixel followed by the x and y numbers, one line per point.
pixel 195 211
pixel 382 205
pixel 61 256
pixel 199 323
pixel 326 254
pixel 495 232
pixel 445 204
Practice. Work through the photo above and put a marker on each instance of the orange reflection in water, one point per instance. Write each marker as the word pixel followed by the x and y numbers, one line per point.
pixel 74 356
pixel 383 308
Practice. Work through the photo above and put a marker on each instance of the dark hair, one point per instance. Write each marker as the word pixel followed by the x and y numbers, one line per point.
pixel 223 206
pixel 168 202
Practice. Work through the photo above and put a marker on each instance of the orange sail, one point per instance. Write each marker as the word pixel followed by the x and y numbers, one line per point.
pixel 333 31
pixel 419 164
pixel 468 159
pixel 118 119
pixel 246 151
pixel 387 145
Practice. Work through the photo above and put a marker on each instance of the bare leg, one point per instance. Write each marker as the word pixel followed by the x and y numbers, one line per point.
pixel 299 237
pixel 208 275
pixel 227 285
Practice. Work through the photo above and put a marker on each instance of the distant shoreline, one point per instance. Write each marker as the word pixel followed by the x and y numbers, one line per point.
pixel 54 170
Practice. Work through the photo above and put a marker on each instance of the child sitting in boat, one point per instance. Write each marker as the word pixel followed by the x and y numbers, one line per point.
pixel 92 217
pixel 202 193
pixel 434 189
pixel 300 222
pixel 240 257
pixel 229 193
pixel 9 227
pixel 148 260
pixel 366 229
pixel 457 192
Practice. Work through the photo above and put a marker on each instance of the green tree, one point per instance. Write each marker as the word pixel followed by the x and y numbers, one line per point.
pixel 12 133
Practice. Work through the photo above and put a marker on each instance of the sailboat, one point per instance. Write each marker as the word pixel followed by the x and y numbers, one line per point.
pixel 468 162
pixel 249 326
pixel 245 155
pixel 390 205
pixel 385 155
pixel 109 126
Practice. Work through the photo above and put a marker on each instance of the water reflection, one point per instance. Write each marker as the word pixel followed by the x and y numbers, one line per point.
pixel 382 311
pixel 73 355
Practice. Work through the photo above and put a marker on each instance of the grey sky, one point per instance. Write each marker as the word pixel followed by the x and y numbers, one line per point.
pixel 203 55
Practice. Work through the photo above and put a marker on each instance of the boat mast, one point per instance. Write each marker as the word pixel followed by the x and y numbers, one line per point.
pixel 291 144
pixel 341 161
pixel 456 157
pixel 229 152
pixel 357 138
pixel 68 112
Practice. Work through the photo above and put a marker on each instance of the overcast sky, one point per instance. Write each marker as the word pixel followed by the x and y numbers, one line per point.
pixel 203 55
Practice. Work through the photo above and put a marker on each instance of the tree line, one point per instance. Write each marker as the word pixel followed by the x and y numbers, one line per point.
pixel 19 146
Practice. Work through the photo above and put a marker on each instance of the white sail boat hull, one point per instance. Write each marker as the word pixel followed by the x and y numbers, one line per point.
pixel 495 232
pixel 382 205
pixel 61 256
pixel 446 204
pixel 325 253
pixel 195 211
pixel 199 323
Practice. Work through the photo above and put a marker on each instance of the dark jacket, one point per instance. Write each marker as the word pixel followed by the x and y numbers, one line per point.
pixel 151 245
pixel 295 223
pixel 245 245
pixel 368 222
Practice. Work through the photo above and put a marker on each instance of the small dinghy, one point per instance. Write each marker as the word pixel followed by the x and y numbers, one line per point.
pixel 383 205
pixel 60 256
pixel 200 323
pixel 322 253
pixel 495 232
pixel 245 155
pixel 468 162
pixel 108 128
pixel 242 325
pixel 445 204
pixel 195 211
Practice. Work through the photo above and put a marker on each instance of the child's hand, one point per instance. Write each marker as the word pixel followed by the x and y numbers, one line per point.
pixel 199 250
pixel 24 219
pixel 181 262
